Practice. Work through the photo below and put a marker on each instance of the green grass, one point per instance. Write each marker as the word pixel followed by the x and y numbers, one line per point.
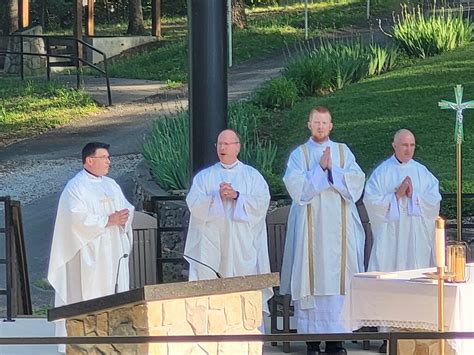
pixel 367 114
pixel 28 108
pixel 268 30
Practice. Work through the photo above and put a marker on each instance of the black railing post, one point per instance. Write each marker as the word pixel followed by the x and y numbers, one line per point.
pixel 8 260
pixel 22 74
pixel 78 75
pixel 109 93
pixel 48 52
pixel 392 344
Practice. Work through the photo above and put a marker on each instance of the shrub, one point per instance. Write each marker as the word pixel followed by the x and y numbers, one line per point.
pixel 308 74
pixel 422 36
pixel 166 151
pixel 327 66
pixel 278 93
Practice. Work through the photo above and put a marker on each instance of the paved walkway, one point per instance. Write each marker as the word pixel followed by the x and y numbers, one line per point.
pixel 34 171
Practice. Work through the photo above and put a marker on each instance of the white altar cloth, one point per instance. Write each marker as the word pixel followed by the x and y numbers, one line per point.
pixel 396 301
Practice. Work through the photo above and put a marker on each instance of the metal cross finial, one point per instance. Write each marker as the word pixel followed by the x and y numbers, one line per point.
pixel 459 107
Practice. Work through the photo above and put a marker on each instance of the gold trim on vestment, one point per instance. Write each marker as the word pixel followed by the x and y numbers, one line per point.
pixel 309 218
pixel 342 284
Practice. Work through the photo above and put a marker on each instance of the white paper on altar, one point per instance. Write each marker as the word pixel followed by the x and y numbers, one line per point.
pixel 401 303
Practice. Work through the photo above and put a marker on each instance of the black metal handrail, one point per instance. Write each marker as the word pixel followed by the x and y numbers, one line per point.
pixel 391 337
pixel 74 58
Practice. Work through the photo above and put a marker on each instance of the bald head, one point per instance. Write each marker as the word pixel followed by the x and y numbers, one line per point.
pixel 228 146
pixel 404 145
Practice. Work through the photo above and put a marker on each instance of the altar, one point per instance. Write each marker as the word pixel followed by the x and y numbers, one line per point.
pixel 408 300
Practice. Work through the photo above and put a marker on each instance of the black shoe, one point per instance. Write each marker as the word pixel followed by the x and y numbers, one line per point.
pixel 312 348
pixel 383 347
pixel 335 348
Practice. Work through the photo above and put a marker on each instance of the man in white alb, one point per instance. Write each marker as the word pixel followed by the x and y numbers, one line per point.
pixel 402 199
pixel 92 234
pixel 325 238
pixel 228 203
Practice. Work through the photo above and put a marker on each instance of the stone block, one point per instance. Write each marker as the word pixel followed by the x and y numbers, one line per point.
pixel 121 322
pixel 233 310
pixel 196 314
pixel 217 302
pixel 255 348
pixel 155 314
pixel 252 305
pixel 102 324
pixel 90 325
pixel 140 317
pixel 173 312
pixel 75 327
pixel 229 348
pixel 216 323
pixel 406 347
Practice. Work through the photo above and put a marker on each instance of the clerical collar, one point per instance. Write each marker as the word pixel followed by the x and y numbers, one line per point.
pixel 325 143
pixel 399 161
pixel 94 175
pixel 229 166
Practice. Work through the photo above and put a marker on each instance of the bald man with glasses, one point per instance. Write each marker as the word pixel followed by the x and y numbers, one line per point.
pixel 228 203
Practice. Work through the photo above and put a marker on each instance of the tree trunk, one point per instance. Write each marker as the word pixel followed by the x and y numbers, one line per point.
pixel 136 25
pixel 239 19
pixel 12 15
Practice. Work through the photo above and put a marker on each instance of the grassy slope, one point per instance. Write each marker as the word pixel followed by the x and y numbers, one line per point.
pixel 368 113
pixel 268 30
pixel 28 108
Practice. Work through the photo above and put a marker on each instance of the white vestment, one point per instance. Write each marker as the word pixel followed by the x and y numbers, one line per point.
pixel 85 254
pixel 229 236
pixel 318 309
pixel 404 229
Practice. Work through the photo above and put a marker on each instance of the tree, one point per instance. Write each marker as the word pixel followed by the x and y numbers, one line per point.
pixel 239 19
pixel 136 26
pixel 12 15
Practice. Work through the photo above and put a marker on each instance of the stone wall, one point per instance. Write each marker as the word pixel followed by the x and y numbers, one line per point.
pixel 235 313
pixel 32 65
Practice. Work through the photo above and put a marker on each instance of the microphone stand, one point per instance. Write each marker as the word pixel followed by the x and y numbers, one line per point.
pixel 219 276
pixel 118 271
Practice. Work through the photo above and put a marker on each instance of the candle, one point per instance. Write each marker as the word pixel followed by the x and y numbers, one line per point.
pixel 440 242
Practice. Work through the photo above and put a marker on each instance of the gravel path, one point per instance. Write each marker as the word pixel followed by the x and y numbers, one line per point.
pixel 30 180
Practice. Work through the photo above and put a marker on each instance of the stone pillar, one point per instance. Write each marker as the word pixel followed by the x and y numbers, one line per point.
pixel 32 65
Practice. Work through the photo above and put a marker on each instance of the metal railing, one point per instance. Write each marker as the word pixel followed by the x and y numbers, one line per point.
pixel 391 337
pixel 160 201
pixel 74 58
pixel 17 291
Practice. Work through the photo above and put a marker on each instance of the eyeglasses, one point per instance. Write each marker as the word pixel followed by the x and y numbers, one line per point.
pixel 106 157
pixel 224 144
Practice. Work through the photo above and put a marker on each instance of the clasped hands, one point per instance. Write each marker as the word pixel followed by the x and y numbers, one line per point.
pixel 325 162
pixel 405 188
pixel 118 218
pixel 226 191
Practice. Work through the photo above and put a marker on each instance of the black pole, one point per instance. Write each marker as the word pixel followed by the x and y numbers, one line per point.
pixel 207 79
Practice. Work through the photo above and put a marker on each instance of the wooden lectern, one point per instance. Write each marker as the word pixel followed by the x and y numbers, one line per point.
pixel 211 307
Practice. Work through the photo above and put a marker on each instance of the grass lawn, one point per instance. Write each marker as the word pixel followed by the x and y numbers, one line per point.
pixel 367 114
pixel 268 30
pixel 28 108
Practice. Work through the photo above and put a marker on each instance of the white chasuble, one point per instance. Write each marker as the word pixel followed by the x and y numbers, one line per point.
pixel 404 229
pixel 85 253
pixel 317 266
pixel 230 236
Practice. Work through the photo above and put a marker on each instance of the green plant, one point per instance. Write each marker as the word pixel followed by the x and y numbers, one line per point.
pixel 422 36
pixel 278 93
pixel 43 284
pixel 307 72
pixel 166 150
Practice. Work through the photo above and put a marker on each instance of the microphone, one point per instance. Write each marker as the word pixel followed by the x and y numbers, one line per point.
pixel 118 271
pixel 219 276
